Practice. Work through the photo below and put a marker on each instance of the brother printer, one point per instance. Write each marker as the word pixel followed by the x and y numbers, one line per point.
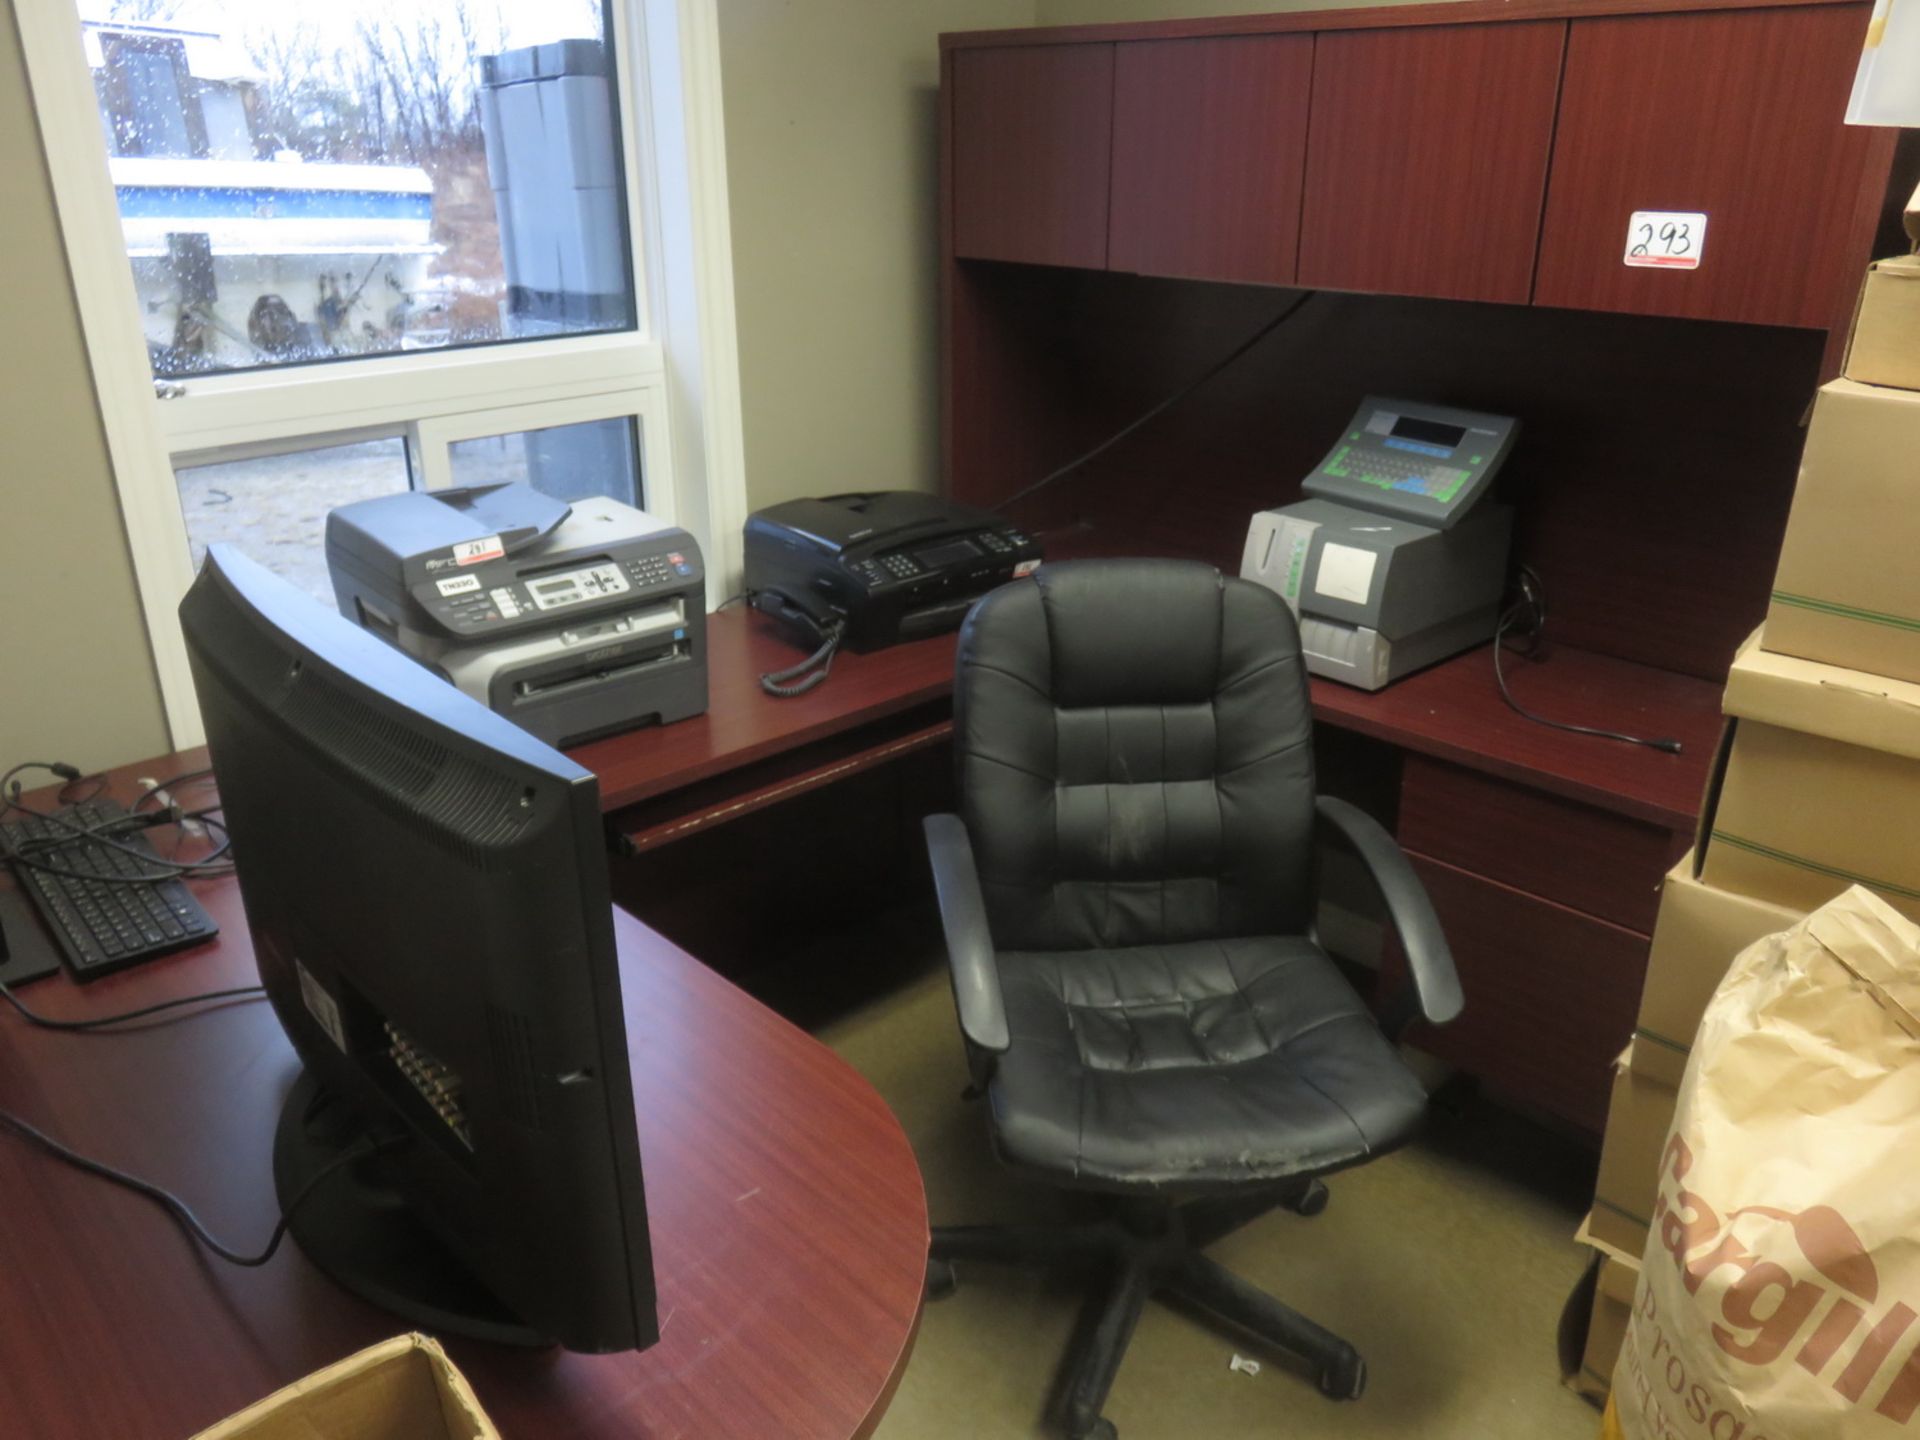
pixel 573 620
pixel 1393 561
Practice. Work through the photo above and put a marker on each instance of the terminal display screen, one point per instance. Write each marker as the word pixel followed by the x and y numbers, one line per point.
pixel 1433 432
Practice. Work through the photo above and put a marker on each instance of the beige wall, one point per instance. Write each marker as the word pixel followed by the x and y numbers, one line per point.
pixel 1089 12
pixel 76 677
pixel 831 176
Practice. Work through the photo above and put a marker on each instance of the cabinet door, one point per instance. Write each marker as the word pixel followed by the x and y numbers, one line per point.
pixel 1552 995
pixel 1209 149
pixel 1032 149
pixel 1427 159
pixel 1735 115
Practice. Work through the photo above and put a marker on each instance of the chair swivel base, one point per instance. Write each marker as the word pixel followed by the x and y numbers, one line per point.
pixel 1146 1249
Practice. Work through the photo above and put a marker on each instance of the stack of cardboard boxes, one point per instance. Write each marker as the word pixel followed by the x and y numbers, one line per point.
pixel 1817 782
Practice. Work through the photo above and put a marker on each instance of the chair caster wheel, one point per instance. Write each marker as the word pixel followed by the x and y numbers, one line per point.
pixel 1311 1201
pixel 941 1281
pixel 1346 1380
pixel 1100 1428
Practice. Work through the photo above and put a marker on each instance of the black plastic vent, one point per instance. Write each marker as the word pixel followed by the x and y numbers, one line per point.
pixel 475 806
pixel 511 1040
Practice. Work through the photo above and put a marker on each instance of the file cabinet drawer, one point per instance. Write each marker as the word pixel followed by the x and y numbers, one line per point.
pixel 1601 864
pixel 1551 994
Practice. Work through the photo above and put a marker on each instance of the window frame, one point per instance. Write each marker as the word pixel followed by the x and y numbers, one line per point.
pixel 676 373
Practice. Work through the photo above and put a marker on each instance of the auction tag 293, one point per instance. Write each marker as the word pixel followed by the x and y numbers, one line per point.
pixel 1666 239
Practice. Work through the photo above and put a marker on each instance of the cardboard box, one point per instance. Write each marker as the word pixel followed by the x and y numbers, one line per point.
pixel 1885 346
pixel 1588 1367
pixel 1819 787
pixel 401 1389
pixel 1847 591
pixel 1638 1118
pixel 1695 937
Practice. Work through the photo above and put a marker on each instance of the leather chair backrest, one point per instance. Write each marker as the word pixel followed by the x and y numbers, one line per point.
pixel 1135 757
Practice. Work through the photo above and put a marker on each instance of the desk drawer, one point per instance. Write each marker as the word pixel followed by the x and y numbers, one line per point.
pixel 1551 994
pixel 1590 860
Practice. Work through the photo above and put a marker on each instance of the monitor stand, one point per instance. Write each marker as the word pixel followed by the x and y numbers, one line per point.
pixel 360 1233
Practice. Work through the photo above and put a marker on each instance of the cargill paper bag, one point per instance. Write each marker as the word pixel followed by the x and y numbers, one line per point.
pixel 1779 1293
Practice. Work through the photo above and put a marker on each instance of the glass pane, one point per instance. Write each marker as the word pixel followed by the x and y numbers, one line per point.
pixel 275 508
pixel 568 462
pixel 301 183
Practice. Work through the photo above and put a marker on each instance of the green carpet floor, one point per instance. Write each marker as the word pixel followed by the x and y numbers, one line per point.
pixel 1447 1263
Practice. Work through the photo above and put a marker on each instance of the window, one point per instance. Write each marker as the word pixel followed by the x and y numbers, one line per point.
pixel 401 175
pixel 275 505
pixel 328 252
pixel 568 462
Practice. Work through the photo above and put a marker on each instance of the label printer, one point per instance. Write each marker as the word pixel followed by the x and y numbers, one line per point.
pixel 1392 561
pixel 572 620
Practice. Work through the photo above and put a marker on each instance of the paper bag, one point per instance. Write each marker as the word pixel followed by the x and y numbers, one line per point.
pixel 1779 1294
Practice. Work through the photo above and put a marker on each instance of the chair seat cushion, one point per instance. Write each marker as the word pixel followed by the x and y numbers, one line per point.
pixel 1193 1067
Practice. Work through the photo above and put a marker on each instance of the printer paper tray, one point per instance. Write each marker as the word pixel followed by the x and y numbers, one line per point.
pixel 591 673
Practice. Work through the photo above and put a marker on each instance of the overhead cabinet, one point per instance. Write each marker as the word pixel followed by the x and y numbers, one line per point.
pixel 1682 159
pixel 1032 141
pixel 1209 146
pixel 1428 159
pixel 1723 130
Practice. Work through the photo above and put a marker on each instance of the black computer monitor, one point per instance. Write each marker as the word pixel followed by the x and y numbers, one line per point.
pixel 426 885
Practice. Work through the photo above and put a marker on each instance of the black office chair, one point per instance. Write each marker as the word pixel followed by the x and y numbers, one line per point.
pixel 1128 900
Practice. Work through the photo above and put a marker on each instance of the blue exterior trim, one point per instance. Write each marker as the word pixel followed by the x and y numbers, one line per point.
pixel 228 202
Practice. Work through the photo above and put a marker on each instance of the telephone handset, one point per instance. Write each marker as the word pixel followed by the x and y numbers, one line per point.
pixel 810 621
pixel 874 568
pixel 806 619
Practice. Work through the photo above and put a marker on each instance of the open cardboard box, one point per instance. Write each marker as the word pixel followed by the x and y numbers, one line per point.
pixel 401 1389
pixel 1885 346
pixel 1638 1118
pixel 1594 1324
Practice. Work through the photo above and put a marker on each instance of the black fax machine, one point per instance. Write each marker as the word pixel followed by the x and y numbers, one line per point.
pixel 880 567
pixel 572 620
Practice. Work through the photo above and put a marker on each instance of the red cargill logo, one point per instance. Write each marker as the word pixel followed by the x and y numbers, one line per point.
pixel 1823 1306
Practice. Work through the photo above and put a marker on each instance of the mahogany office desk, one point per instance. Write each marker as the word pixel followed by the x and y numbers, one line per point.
pixel 788 1221
pixel 751 750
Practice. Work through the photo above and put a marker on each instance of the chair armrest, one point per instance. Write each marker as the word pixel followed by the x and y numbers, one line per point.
pixel 963 916
pixel 1436 984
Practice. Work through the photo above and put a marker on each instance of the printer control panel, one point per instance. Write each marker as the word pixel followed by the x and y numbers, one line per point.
pixel 591 582
pixel 488 600
pixel 911 563
pixel 1426 463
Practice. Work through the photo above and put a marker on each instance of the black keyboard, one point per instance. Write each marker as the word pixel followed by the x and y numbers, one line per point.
pixel 103 917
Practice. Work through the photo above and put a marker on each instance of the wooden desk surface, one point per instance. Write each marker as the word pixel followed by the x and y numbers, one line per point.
pixel 750 749
pixel 744 726
pixel 788 1220
pixel 1453 711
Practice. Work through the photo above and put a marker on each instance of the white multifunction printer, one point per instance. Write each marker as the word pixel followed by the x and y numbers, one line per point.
pixel 1396 559
pixel 572 620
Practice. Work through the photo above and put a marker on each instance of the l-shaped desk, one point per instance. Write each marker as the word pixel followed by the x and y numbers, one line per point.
pixel 787 1216
pixel 787 1211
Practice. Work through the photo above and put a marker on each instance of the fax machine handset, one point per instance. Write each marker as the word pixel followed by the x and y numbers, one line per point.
pixel 888 565
pixel 1430 464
